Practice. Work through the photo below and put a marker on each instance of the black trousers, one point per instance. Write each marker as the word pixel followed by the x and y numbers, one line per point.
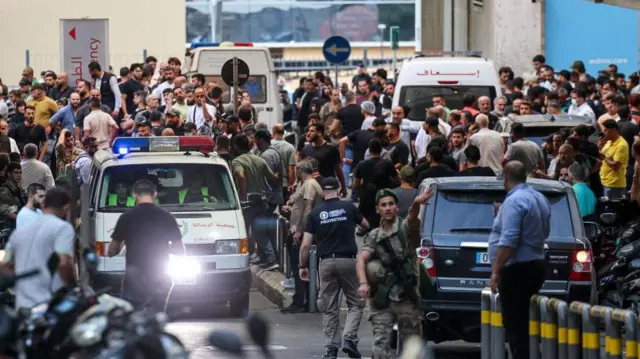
pixel 302 287
pixel 519 282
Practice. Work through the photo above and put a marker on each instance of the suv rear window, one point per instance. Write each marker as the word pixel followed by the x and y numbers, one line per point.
pixel 477 207
pixel 419 98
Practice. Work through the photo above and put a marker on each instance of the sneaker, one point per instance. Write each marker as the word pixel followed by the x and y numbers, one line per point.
pixel 255 259
pixel 289 283
pixel 351 349
pixel 331 353
pixel 294 309
pixel 272 265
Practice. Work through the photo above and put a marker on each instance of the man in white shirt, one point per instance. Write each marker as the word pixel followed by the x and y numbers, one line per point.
pixel 201 112
pixel 369 112
pixel 579 105
pixel 31 211
pixel 169 76
pixel 440 112
pixel 34 171
pixel 490 144
pixel 4 129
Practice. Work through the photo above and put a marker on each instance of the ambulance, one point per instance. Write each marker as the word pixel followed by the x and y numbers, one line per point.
pixel 216 266
pixel 208 58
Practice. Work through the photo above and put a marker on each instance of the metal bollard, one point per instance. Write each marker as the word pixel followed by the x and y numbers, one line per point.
pixel 497 330
pixel 313 279
pixel 612 343
pixel 590 335
pixel 629 321
pixel 485 323
pixel 534 327
pixel 559 314
pixel 548 330
pixel 574 349
pixel 280 239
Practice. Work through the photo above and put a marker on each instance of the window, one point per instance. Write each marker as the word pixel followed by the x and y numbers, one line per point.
pixel 478 208
pixel 181 187
pixel 419 98
pixel 256 87
pixel 298 20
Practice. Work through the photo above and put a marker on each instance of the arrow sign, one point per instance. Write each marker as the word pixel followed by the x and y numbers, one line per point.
pixel 336 49
pixel 72 33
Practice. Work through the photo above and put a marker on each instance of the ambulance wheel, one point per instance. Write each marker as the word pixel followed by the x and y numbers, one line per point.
pixel 239 307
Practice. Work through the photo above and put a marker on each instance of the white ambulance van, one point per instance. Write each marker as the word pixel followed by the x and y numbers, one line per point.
pixel 208 58
pixel 216 269
pixel 422 77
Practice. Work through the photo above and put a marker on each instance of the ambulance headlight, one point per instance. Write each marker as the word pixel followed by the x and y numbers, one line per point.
pixel 183 267
pixel 228 247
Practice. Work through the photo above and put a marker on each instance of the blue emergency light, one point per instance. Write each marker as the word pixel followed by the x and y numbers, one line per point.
pixel 125 145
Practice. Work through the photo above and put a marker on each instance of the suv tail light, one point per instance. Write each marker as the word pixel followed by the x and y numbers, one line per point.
pixel 581 262
pixel 101 249
pixel 427 259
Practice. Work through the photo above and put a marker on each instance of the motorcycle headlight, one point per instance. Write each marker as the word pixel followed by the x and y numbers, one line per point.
pixel 608 218
pixel 183 267
pixel 90 331
pixel 228 247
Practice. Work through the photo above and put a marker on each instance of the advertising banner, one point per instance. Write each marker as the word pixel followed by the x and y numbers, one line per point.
pixel 81 41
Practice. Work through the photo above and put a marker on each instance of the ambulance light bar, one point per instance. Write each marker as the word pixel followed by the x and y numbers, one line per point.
pixel 125 145
pixel 221 44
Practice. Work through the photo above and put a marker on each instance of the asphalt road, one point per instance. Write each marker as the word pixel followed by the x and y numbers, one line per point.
pixel 294 336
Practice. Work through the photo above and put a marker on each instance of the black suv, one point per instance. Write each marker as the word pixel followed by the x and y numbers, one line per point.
pixel 455 232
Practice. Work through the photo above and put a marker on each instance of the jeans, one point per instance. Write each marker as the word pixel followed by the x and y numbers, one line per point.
pixel 515 295
pixel 262 224
pixel 301 286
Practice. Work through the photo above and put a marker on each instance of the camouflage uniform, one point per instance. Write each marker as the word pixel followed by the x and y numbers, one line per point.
pixel 399 308
pixel 12 198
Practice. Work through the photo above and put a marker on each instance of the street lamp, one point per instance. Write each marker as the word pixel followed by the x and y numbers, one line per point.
pixel 382 27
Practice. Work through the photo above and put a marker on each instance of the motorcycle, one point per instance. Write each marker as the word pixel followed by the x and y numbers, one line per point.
pixel 8 316
pixel 114 332
pixel 614 279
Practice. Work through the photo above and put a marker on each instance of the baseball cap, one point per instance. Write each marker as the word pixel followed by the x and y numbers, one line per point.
pixel 173 112
pixel 230 119
pixel 262 135
pixel 330 184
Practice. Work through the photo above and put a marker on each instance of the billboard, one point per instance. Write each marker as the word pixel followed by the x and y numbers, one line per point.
pixel 82 41
pixel 597 34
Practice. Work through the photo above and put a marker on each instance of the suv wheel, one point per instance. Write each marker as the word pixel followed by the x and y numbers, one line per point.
pixel 239 307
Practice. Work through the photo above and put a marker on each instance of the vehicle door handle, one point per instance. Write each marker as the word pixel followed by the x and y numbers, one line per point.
pixel 269 109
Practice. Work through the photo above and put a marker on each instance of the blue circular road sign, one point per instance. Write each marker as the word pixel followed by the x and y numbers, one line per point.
pixel 336 49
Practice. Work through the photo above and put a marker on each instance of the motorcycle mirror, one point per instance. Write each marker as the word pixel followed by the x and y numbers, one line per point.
pixel 226 341
pixel 591 230
pixel 258 330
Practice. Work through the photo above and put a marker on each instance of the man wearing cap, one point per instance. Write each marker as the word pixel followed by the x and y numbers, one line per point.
pixel 174 122
pixel 331 225
pixel 394 296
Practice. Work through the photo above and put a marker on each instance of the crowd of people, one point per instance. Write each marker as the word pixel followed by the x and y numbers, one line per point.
pixel 347 136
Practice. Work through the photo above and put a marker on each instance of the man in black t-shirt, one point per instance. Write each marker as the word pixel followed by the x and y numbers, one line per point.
pixel 398 149
pixel 30 132
pixel 129 89
pixel 436 167
pixel 327 156
pixel 350 116
pixel 331 224
pixel 150 234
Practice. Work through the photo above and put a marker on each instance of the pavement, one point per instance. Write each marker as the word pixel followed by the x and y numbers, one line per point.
pixel 294 336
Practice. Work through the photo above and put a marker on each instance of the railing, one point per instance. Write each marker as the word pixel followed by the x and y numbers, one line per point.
pixel 558 330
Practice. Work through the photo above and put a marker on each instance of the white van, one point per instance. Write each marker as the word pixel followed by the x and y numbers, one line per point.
pixel 422 77
pixel 207 59
pixel 213 231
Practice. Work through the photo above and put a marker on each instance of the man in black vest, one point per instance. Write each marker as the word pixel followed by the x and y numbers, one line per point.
pixel 107 84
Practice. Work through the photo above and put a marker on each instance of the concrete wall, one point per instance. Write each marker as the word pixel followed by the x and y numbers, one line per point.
pixel 134 25
pixel 509 32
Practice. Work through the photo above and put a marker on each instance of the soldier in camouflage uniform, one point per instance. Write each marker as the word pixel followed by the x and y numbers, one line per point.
pixel 393 288
pixel 12 199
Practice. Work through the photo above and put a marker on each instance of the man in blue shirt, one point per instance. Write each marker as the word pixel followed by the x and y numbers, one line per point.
pixel 516 252
pixel 584 195
pixel 66 117
pixel 31 211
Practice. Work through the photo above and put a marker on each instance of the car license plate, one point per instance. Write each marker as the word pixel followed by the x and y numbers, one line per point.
pixel 185 281
pixel 482 258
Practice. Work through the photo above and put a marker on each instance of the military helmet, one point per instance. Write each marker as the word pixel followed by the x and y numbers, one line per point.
pixel 376 272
